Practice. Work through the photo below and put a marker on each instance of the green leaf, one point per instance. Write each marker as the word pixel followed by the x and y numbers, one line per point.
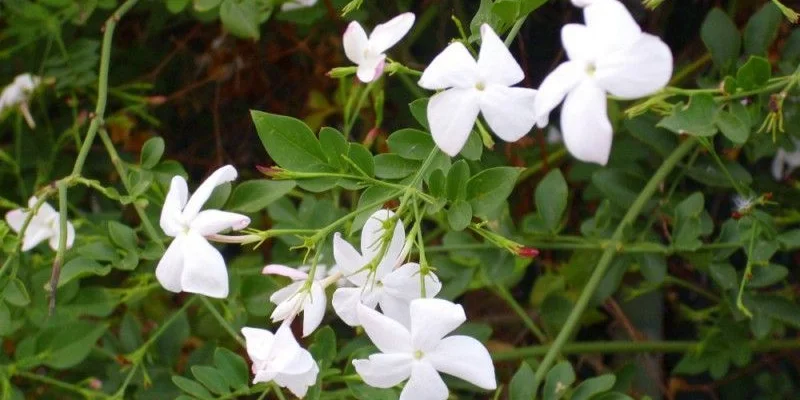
pixel 709 173
pixel 15 293
pixel 191 387
pixel 334 146
pixel 80 267
pixel 210 378
pixel 324 347
pixel 528 6
pixel 724 275
pixel 362 157
pixel 372 194
pixel 457 179
pixel 240 18
pixel 289 142
pixel 732 127
pixel 789 240
pixel 506 10
pixel 152 150
pixel 754 74
pixel 122 235
pixel 412 144
pixel 767 275
pixel 779 308
pixel 255 195
pixel 653 267
pixel 392 166
pixel 232 367
pixel 696 118
pixel 218 197
pixel 551 199
pixel 558 380
pixel 419 110
pixel 521 385
pixel 489 189
pixel 619 186
pixel 593 386
pixel 459 215
pixel 721 37
pixel 67 345
pixel 176 6
pixel 5 319
pixel 761 29
pixel 206 5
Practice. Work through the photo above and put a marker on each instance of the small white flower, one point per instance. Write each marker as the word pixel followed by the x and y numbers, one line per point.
pixel 786 161
pixel 609 54
pixel 477 87
pixel 17 95
pixel 43 226
pixel 421 352
pixel 368 52
pixel 297 4
pixel 191 263
pixel 299 296
pixel 383 284
pixel 280 358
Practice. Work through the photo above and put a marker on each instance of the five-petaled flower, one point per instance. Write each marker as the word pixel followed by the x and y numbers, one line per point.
pixel 610 53
pixel 376 272
pixel 303 295
pixel 368 52
pixel 191 263
pixel 477 87
pixel 17 95
pixel 421 352
pixel 280 358
pixel 44 225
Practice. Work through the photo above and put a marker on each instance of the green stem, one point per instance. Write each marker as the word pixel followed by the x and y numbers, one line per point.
pixel 514 31
pixel 225 324
pixel 622 347
pixel 669 279
pixel 535 168
pixel 504 294
pixel 58 261
pixel 89 394
pixel 690 69
pixel 639 247
pixel 608 255
pixel 747 272
pixel 354 112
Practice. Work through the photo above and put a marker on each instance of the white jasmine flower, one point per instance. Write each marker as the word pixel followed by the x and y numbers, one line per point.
pixel 472 87
pixel 418 354
pixel 43 226
pixel 17 95
pixel 368 52
pixel 280 358
pixel 609 54
pixel 373 272
pixel 786 161
pixel 303 295
pixel 297 4
pixel 191 263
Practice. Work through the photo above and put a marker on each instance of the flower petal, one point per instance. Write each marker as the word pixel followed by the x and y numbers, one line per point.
pixel 355 42
pixel 396 308
pixel 287 355
pixel 16 218
pixel 465 358
pixel 345 302
pixel 54 238
pixel 209 222
pixel 313 308
pixel 200 196
pixel 613 28
pixel 579 44
pixel 553 89
pixel 387 34
pixel 282 270
pixel 777 171
pixel 453 67
pixel 388 335
pixel 641 70
pixel 508 111
pixel 298 384
pixel 204 269
pixel 452 115
pixel 288 301
pixel 424 384
pixel 34 235
pixel 371 68
pixel 171 213
pixel 432 319
pixel 587 131
pixel 259 342
pixel 372 241
pixel 405 283
pixel 349 261
pixel 495 62
pixel 384 370
pixel 170 267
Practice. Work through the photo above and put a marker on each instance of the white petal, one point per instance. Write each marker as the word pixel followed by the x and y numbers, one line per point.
pixel 453 67
pixel 171 214
pixel 258 342
pixel 16 218
pixel 200 196
pixel 298 384
pixel 388 335
pixel 45 212
pixel 349 261
pixel 405 282
pixel 553 89
pixel 355 42
pixel 495 62
pixel 282 270
pixel 508 111
pixel 313 308
pixel 465 358
pixel 424 384
pixel 777 171
pixel 371 67
pixel 641 70
pixel 209 222
pixel 584 123
pixel 345 302
pixel 204 269
pixel 384 370
pixel 387 34
pixel 578 42
pixel 170 267
pixel 452 115
pixel 34 235
pixel 55 237
pixel 288 302
pixel 372 241
pixel 613 27
pixel 432 319
pixel 287 356
pixel 396 308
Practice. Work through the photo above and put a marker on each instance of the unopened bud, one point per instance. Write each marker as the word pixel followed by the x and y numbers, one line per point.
pixel 156 100
pixel 528 252
pixel 341 72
